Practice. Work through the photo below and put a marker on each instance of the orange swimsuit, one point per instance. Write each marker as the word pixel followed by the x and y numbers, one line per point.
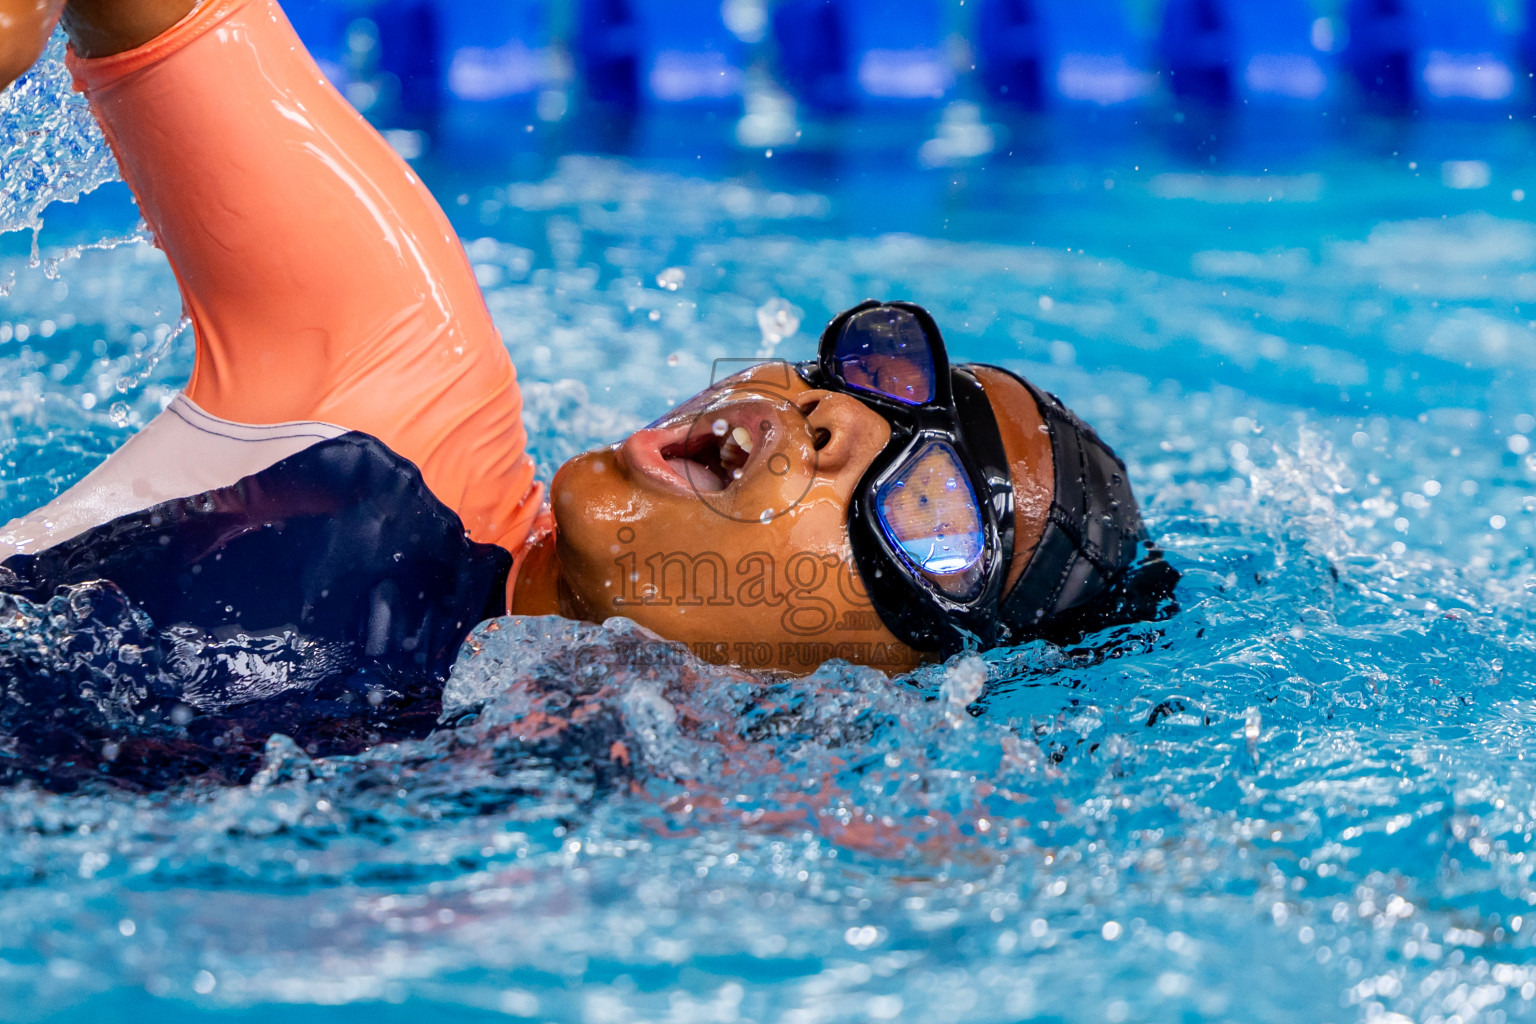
pixel 323 281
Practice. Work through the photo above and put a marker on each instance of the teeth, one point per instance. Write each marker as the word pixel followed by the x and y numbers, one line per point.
pixel 742 438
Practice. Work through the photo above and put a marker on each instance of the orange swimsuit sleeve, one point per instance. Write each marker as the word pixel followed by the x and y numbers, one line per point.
pixel 322 279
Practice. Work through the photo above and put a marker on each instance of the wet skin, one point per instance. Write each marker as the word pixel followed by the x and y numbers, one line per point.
pixel 724 524
pixel 97 28
pixel 24 29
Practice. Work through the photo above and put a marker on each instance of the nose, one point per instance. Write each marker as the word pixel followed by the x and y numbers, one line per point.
pixel 848 434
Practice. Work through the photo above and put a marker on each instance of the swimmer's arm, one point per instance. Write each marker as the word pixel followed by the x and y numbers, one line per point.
pixel 25 26
pixel 322 280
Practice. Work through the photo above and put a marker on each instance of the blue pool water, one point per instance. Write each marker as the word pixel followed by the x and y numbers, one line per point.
pixel 1306 798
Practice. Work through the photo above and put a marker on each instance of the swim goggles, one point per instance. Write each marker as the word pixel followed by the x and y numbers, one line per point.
pixel 932 522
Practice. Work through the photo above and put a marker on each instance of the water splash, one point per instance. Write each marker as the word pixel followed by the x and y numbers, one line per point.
pixel 50 145
pixel 1082 823
pixel 777 319
pixel 1305 798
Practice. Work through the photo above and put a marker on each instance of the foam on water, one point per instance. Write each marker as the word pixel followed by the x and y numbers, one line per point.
pixel 1305 798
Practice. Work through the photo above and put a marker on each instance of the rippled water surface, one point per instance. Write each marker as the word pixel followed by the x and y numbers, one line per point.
pixel 1306 798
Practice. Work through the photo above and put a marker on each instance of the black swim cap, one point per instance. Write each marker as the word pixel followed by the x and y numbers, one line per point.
pixel 1095 565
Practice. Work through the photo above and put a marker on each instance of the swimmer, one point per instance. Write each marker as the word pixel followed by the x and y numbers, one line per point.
pixel 346 467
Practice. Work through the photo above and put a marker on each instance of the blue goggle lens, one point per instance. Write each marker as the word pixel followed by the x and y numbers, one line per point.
pixel 885 351
pixel 929 511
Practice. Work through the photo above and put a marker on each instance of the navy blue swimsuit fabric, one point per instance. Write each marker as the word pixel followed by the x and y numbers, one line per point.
pixel 324 598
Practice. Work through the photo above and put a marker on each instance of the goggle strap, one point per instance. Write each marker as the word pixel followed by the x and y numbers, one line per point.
pixel 984 442
pixel 1079 554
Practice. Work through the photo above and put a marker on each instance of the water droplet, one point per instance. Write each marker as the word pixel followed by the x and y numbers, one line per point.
pixel 777 319
pixel 671 279
pixel 674 359
pixel 767 515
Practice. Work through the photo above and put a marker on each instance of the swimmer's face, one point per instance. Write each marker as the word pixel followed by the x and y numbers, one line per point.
pixel 724 524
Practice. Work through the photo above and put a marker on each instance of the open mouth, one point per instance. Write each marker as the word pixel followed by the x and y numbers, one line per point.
pixel 702 452
pixel 710 458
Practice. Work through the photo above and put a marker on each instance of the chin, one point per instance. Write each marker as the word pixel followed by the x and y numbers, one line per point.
pixel 593 504
pixel 560 486
pixel 586 488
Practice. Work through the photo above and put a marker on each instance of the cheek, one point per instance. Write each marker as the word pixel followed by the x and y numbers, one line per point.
pixel 818 523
